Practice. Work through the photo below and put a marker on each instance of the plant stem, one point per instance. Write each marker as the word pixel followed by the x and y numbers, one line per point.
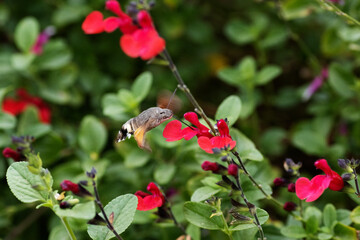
pixel 174 219
pixel 356 182
pixel 251 207
pixel 68 228
pixel 268 196
pixel 98 202
pixel 186 90
pixel 329 6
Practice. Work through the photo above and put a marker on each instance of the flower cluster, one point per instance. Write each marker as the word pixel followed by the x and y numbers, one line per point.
pixel 140 37
pixel 23 147
pixel 206 140
pixel 150 201
pixel 312 189
pixel 15 106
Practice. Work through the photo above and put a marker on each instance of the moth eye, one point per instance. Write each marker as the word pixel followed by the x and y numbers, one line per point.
pixel 162 112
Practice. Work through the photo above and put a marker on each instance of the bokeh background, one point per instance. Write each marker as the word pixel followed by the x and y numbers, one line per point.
pixel 265 52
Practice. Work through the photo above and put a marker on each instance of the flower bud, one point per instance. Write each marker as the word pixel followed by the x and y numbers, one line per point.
pixel 92 173
pixel 35 163
pixel 345 164
pixel 69 203
pixel 210 166
pixel 279 182
pixel 76 189
pixel 233 170
pixel 347 176
pixel 289 206
pixel 11 153
pixel 291 187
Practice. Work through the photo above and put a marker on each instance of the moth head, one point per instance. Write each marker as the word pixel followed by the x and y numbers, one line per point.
pixel 164 114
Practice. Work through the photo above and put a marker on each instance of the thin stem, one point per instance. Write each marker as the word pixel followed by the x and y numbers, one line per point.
pixel 68 228
pixel 229 233
pixel 186 90
pixel 268 196
pixel 98 202
pixel 329 6
pixel 356 182
pixel 174 219
pixel 251 209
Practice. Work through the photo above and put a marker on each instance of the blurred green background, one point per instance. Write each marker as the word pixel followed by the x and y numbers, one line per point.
pixel 264 52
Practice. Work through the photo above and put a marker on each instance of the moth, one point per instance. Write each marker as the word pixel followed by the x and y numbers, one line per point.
pixel 141 124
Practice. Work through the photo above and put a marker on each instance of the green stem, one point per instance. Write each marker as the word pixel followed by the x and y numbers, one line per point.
pixel 268 196
pixel 226 230
pixel 329 6
pixel 68 228
pixel 186 90
pixel 356 182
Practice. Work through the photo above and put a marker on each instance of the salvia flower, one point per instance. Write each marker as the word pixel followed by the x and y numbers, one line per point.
pixel 210 166
pixel 291 187
pixel 140 37
pixel 279 182
pixel 206 141
pixel 75 188
pixel 289 206
pixel 42 39
pixel 15 106
pixel 15 155
pixel 312 189
pixel 148 201
pixel 315 84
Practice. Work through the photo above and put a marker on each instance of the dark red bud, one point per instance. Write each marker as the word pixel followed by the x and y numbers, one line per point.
pixel 291 187
pixel 279 182
pixel 11 153
pixel 210 166
pixel 289 206
pixel 67 185
pixel 233 170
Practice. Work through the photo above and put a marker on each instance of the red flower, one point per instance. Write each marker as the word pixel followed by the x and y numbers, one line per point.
pixel 11 153
pixel 139 40
pixel 291 187
pixel 222 141
pixel 17 106
pixel 68 185
pixel 146 201
pixel 206 140
pixel 312 190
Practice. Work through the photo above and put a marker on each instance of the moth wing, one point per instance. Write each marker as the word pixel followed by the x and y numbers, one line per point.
pixel 139 136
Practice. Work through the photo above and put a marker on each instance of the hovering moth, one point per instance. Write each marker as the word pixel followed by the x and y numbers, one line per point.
pixel 144 122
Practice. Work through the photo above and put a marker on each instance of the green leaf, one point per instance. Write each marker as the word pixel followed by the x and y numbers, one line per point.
pixel 324 236
pixel 203 193
pixel 267 74
pixel 355 215
pixel 92 135
pixel 79 211
pixel 136 158
pixel 26 33
pixel 141 86
pixel 112 107
pixel 29 124
pixel 309 142
pixel 21 180
pixel 342 231
pixel 313 211
pixel 194 232
pixel 124 208
pixel 240 32
pixel 230 75
pixel 329 214
pixel 252 192
pixel 245 146
pixel 21 61
pixel 59 232
pixel 293 232
pixel 67 14
pixel 272 141
pixel 297 8
pixel 247 68
pixel 263 216
pixel 56 55
pixel 230 108
pixel 199 215
pixel 312 225
pixel 164 173
pixel 343 216
pixel 341 80
pixel 7 121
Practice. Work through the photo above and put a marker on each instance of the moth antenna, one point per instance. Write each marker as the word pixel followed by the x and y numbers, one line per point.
pixel 172 96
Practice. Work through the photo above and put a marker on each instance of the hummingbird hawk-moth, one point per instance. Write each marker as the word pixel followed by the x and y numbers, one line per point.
pixel 141 124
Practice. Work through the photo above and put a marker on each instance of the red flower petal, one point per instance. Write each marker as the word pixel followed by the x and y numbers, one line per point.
pixel 93 23
pixel 337 182
pixel 189 133
pixel 141 194
pixel 13 107
pixel 223 128
pixel 44 114
pixel 323 165
pixel 222 142
pixel 11 153
pixel 172 131
pixel 111 24
pixel 144 19
pixel 311 190
pixel 144 43
pixel 148 203
pixel 205 144
pixel 68 185
pixel 114 6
